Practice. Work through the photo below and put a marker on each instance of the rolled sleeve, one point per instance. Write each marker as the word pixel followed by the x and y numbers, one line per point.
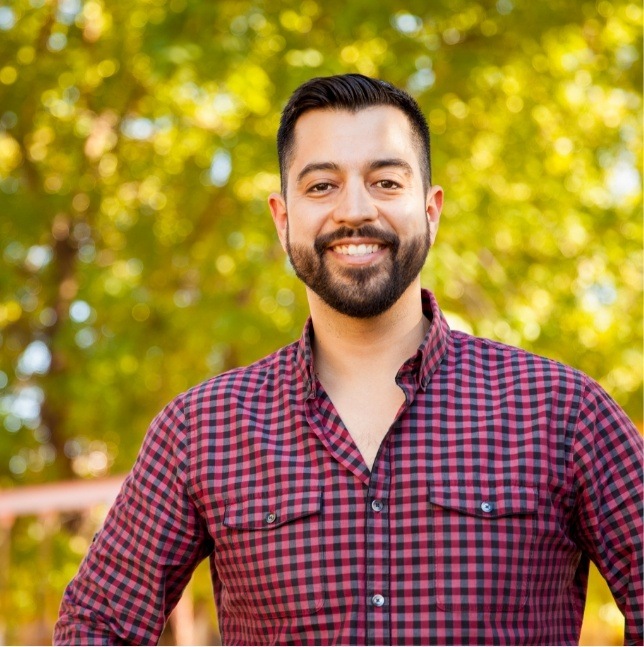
pixel 607 471
pixel 143 557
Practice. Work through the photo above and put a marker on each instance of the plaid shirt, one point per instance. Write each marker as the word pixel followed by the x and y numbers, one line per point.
pixel 501 477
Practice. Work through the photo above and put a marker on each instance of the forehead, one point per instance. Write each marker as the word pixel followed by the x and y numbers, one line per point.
pixel 347 138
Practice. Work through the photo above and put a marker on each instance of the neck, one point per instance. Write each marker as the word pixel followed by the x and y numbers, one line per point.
pixel 348 347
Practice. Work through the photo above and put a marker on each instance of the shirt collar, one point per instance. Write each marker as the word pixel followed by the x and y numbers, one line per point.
pixel 420 366
pixel 433 347
pixel 304 360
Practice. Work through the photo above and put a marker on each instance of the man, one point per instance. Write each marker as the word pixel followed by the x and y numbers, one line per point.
pixel 384 480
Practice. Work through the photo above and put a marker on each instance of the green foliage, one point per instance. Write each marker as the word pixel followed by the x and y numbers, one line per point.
pixel 137 151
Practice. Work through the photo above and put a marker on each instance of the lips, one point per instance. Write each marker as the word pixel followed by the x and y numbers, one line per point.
pixel 357 242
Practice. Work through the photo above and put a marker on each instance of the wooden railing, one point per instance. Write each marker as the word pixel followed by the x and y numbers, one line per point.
pixel 46 503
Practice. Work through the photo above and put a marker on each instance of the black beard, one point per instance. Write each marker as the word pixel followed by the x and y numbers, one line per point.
pixel 366 291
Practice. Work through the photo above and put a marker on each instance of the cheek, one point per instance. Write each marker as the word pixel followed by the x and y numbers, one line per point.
pixel 294 233
pixel 305 228
pixel 409 221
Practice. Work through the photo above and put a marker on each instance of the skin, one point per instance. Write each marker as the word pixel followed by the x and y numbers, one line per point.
pixel 350 172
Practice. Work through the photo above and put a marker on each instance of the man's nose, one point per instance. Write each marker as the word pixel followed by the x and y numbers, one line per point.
pixel 356 205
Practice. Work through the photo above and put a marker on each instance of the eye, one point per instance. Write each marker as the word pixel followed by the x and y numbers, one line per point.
pixel 387 184
pixel 320 187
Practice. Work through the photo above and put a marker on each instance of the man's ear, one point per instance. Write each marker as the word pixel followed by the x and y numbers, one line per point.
pixel 433 207
pixel 277 205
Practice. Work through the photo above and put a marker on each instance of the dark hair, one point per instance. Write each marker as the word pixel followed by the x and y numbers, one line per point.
pixel 351 92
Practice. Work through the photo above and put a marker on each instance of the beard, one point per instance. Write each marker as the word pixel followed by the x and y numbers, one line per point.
pixel 360 292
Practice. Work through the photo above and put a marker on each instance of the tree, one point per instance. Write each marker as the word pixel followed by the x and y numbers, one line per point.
pixel 137 148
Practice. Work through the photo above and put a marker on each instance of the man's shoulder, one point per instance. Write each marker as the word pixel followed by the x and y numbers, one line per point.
pixel 236 392
pixel 278 367
pixel 492 355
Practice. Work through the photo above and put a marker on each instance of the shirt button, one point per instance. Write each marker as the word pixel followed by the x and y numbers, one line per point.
pixel 270 517
pixel 486 506
pixel 377 600
pixel 377 505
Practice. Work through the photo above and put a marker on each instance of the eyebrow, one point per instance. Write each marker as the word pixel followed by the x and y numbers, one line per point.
pixel 316 166
pixel 374 166
pixel 392 162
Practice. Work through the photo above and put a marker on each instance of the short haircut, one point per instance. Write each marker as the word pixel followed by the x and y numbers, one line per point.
pixel 350 92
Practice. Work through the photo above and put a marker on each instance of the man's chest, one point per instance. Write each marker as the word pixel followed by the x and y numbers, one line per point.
pixel 435 528
pixel 367 413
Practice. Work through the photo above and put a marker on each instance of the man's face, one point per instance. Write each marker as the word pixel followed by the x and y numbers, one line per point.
pixel 356 223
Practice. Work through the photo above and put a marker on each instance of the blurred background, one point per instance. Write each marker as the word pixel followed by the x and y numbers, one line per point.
pixel 138 255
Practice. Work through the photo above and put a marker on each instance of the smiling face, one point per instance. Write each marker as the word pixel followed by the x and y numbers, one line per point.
pixel 357 223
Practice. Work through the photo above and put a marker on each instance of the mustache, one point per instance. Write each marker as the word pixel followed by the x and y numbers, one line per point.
pixel 366 231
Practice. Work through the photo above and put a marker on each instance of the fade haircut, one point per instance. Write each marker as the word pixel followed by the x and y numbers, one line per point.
pixel 350 92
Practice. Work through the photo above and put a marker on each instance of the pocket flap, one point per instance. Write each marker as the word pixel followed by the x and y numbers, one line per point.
pixel 271 511
pixel 485 500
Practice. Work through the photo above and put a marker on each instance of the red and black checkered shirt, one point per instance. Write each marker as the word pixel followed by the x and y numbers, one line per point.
pixel 502 476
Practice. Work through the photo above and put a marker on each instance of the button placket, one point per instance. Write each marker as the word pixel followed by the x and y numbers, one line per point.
pixel 378 552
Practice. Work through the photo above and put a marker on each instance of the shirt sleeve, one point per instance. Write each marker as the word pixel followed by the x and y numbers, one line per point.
pixel 143 557
pixel 607 473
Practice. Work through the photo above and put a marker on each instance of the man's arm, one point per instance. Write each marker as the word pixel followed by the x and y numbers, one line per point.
pixel 607 471
pixel 143 557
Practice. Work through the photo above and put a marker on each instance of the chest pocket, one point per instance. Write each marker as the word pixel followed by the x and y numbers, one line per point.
pixel 482 538
pixel 270 559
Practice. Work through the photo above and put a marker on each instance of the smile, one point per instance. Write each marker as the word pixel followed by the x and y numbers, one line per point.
pixel 357 250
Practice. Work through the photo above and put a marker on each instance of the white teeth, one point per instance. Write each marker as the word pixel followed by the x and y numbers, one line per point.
pixel 356 250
